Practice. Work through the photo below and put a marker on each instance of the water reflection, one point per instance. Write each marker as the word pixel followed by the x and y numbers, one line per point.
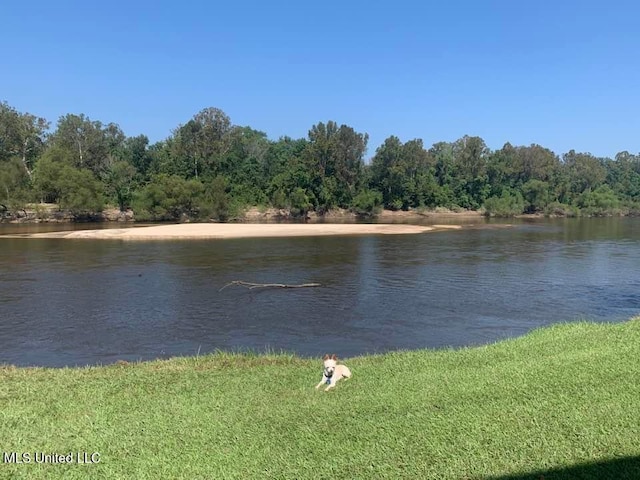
pixel 68 302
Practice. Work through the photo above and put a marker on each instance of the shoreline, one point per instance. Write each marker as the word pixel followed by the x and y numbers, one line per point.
pixel 201 231
pixel 50 214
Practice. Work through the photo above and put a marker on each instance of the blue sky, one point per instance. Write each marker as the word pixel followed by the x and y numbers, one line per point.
pixel 563 74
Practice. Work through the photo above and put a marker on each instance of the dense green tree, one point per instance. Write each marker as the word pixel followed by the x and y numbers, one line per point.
pixel 136 152
pixel 536 195
pixel 208 168
pixel 88 143
pixel 623 176
pixel 388 171
pixel 13 185
pixel 300 203
pixel 367 203
pixel 583 172
pixel 535 163
pixel 334 157
pixel 599 202
pixel 244 165
pixel 502 169
pixel 74 189
pixel 470 182
pixel 509 203
pixel 404 173
pixel 215 203
pixel 280 156
pixel 169 197
pixel 48 172
pixel 119 181
pixel 445 173
pixel 202 141
pixel 80 192
pixel 22 136
pixel 162 161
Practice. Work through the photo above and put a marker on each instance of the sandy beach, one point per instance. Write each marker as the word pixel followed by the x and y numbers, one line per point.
pixel 239 230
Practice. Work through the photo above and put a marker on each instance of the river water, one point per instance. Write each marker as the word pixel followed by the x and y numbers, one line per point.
pixel 79 302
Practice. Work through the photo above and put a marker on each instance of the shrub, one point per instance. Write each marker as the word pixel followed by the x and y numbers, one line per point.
pixel 506 205
pixel 300 203
pixel 80 191
pixel 168 197
pixel 599 202
pixel 215 203
pixel 536 195
pixel 558 209
pixel 367 203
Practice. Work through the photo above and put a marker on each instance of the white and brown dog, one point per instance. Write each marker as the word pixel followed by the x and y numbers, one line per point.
pixel 332 372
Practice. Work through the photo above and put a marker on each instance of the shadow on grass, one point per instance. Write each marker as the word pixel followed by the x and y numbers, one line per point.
pixel 627 468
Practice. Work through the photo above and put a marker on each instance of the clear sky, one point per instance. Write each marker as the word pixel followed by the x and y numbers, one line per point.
pixel 564 74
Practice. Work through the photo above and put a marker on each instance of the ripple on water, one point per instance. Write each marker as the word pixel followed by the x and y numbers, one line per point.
pixel 94 302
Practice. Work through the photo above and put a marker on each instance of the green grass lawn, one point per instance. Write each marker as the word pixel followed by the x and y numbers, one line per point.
pixel 560 402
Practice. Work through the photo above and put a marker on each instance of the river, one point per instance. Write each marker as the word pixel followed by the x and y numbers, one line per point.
pixel 85 302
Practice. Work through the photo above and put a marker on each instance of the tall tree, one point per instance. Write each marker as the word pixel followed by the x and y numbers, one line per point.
pixel 89 142
pixel 471 184
pixel 203 140
pixel 243 164
pixel 335 159
pixel 135 151
pixel 623 175
pixel 13 185
pixel 285 171
pixel 387 172
pixel 22 135
pixel 404 174
pixel 119 182
pixel 536 163
pixel 584 171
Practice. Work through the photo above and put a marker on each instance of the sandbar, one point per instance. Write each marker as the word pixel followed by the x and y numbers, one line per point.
pixel 235 230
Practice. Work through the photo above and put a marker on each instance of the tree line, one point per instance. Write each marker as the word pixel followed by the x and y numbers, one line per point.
pixel 209 168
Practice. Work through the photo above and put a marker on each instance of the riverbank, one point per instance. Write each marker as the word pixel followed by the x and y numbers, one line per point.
pixel 50 213
pixel 560 402
pixel 185 231
pixel 255 214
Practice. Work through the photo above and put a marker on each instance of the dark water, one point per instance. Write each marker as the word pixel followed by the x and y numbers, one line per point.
pixel 77 302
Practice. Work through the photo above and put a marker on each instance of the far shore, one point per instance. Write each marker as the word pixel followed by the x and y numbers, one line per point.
pixel 239 230
pixel 51 213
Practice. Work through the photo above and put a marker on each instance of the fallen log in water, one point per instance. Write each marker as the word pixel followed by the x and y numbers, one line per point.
pixel 251 285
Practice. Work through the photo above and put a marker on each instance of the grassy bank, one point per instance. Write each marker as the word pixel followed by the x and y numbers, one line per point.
pixel 563 402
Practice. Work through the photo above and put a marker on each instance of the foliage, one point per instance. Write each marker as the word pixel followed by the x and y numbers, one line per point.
pixel 168 197
pixel 202 141
pixel 300 203
pixel 13 185
pixel 88 144
pixel 536 195
pixel 334 159
pixel 367 203
pixel 558 209
pixel 506 205
pixel 601 201
pixel 22 136
pixel 76 190
pixel 80 191
pixel 208 168
pixel 119 182
pixel 215 202
pixel 47 175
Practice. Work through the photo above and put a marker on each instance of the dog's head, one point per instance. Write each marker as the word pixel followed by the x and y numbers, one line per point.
pixel 329 364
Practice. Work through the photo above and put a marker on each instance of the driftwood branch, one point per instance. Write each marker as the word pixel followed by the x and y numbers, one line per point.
pixel 251 285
